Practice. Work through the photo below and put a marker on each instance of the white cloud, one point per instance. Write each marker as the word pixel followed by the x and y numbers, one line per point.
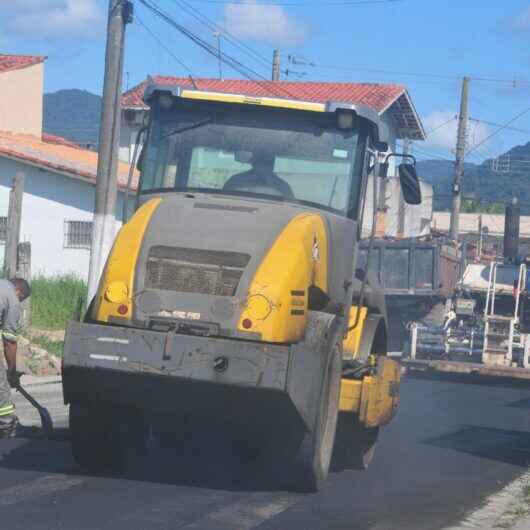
pixel 522 21
pixel 264 23
pixel 57 19
pixel 441 128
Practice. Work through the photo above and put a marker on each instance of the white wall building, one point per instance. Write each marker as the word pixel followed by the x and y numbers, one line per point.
pixel 58 201
pixel 59 177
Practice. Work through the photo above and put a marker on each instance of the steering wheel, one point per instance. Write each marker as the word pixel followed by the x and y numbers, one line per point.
pixel 258 184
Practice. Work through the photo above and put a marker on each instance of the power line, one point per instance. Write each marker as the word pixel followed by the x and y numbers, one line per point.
pixel 509 122
pixel 299 4
pixel 432 155
pixel 162 45
pixel 524 131
pixel 209 48
pixel 441 125
pixel 228 36
pixel 432 75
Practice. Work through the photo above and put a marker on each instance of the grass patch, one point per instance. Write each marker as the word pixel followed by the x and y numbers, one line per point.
pixel 55 347
pixel 54 300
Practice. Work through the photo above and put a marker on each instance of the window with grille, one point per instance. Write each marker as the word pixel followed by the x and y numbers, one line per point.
pixel 77 234
pixel 3 228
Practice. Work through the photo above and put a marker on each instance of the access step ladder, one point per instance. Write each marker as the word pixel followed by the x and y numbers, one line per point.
pixel 501 331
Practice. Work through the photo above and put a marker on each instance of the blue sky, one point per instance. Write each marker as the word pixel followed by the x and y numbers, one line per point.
pixel 369 42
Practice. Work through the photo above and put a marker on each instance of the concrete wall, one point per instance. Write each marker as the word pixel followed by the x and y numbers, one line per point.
pixel 469 223
pixel 128 135
pixel 21 100
pixel 50 199
pixel 416 219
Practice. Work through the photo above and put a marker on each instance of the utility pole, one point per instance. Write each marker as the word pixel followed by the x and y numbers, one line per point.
pixel 276 65
pixel 217 35
pixel 104 225
pixel 459 160
pixel 14 218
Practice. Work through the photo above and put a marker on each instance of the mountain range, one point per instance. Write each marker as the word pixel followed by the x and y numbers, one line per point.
pixel 75 114
pixel 487 186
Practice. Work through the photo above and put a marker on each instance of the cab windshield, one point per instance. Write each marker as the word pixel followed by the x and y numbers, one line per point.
pixel 268 153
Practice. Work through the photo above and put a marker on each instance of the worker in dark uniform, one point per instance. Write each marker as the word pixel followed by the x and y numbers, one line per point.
pixel 12 293
pixel 260 178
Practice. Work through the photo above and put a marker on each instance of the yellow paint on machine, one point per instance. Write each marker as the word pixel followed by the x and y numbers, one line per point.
pixel 350 345
pixel 117 282
pixel 252 100
pixel 375 397
pixel 297 259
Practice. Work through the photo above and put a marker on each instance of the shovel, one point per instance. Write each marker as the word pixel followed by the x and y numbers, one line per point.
pixel 45 417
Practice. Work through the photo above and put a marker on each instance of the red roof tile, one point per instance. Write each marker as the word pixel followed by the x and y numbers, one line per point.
pixel 59 140
pixel 58 157
pixel 17 62
pixel 377 96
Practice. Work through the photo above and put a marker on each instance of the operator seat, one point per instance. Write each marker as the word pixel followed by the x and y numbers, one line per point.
pixel 260 179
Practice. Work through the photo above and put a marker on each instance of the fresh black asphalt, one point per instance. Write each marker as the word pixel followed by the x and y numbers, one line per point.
pixel 453 443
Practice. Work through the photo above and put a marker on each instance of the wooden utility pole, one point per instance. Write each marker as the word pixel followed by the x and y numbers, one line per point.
pixel 276 65
pixel 14 217
pixel 459 160
pixel 104 228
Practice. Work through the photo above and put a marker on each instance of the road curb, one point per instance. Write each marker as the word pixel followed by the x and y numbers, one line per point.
pixel 522 525
pixel 32 380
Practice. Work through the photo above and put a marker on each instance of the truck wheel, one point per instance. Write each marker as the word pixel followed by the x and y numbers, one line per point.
pixel 103 439
pixel 314 454
pixel 355 444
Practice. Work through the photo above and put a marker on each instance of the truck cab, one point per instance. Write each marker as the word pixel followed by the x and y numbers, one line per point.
pixel 229 300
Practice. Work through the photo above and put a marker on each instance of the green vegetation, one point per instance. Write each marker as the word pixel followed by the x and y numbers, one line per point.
pixel 73 114
pixel 54 300
pixel 481 183
pixel 55 347
pixel 474 206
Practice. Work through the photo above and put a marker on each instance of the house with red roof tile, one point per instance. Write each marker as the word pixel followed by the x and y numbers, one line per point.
pixel 60 176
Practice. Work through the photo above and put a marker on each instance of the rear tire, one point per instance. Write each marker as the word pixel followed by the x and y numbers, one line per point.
pixel 313 457
pixel 104 439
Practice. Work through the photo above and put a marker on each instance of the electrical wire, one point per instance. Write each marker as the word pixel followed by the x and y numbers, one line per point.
pixel 162 45
pixel 228 36
pixel 424 152
pixel 524 131
pixel 298 4
pixel 451 77
pixel 233 63
pixel 502 127
pixel 453 118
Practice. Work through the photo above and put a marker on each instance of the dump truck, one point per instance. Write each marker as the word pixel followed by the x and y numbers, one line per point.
pixel 229 305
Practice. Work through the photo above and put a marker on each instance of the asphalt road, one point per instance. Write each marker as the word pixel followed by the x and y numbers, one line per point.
pixel 451 446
